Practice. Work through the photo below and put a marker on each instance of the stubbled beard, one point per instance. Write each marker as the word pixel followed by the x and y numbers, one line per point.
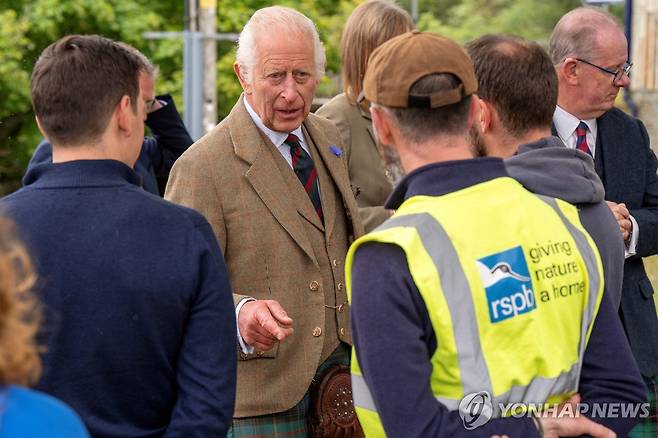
pixel 392 165
pixel 478 147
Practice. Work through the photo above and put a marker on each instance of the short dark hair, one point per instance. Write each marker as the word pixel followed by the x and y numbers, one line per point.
pixel 78 81
pixel 421 124
pixel 518 78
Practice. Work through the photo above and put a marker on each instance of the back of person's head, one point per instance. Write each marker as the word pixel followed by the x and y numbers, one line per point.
pixel 77 83
pixel 19 313
pixel 577 33
pixel 276 22
pixel 517 77
pixel 369 25
pixel 425 82
pixel 421 124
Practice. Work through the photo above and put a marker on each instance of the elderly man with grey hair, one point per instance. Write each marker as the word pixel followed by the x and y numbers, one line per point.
pixel 590 53
pixel 272 181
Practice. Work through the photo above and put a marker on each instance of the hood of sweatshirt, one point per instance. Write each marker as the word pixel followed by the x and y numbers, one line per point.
pixel 548 167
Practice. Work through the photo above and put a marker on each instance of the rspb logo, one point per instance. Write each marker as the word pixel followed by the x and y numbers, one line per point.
pixel 507 284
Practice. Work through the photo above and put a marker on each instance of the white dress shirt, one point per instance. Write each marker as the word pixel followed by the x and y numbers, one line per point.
pixel 278 138
pixel 565 125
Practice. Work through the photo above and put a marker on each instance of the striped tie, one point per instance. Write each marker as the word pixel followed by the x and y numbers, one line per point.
pixel 302 164
pixel 581 138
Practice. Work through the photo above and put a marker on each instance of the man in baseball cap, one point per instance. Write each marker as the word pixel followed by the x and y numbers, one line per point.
pixel 449 295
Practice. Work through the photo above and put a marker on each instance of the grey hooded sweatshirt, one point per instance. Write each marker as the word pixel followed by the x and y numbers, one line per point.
pixel 548 167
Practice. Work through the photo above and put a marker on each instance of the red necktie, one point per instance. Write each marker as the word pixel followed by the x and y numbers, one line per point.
pixel 581 138
pixel 302 164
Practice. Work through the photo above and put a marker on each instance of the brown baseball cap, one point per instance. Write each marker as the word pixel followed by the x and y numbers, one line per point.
pixel 398 63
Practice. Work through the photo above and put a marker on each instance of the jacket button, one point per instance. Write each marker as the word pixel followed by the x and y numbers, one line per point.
pixel 317 332
pixel 334 262
pixel 314 285
pixel 342 331
pixel 340 286
pixel 260 353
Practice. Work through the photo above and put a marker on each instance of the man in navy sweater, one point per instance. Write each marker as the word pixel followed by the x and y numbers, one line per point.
pixel 139 323
pixel 170 137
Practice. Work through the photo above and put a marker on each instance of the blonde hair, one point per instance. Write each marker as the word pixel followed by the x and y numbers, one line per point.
pixel 19 312
pixel 371 24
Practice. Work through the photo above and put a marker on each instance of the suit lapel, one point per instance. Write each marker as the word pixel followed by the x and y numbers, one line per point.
pixel 326 185
pixel 297 196
pixel 366 115
pixel 612 156
pixel 264 176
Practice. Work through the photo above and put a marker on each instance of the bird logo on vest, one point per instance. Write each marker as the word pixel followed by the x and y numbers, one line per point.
pixel 499 272
pixel 507 284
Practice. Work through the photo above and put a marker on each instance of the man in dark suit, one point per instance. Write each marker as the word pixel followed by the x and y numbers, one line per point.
pixel 590 52
pixel 170 137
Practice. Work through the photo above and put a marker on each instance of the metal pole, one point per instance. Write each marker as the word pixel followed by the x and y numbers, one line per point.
pixel 208 24
pixel 192 78
pixel 414 10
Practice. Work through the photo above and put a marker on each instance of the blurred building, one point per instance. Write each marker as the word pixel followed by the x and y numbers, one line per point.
pixel 644 54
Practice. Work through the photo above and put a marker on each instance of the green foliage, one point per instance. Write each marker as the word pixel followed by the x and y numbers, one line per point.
pixel 28 26
pixel 470 19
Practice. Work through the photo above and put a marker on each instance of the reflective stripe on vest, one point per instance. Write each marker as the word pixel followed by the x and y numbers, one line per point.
pixel 475 375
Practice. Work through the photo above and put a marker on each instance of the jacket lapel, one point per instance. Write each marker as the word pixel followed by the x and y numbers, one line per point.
pixel 366 115
pixel 337 168
pixel 611 157
pixel 326 189
pixel 264 176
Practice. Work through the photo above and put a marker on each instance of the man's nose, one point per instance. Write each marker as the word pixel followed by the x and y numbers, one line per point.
pixel 289 92
pixel 624 81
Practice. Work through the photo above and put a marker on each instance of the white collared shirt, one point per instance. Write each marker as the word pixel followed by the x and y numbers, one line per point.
pixel 278 138
pixel 565 125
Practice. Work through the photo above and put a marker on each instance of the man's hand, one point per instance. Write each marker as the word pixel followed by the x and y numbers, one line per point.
pixel 572 425
pixel 263 323
pixel 623 219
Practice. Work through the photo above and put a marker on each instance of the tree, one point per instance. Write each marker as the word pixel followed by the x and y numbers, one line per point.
pixel 29 26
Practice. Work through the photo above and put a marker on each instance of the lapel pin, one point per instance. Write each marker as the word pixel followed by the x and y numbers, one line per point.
pixel 336 150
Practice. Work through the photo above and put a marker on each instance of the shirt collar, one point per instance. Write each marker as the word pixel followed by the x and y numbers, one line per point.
pixel 438 179
pixel 566 124
pixel 276 137
pixel 81 173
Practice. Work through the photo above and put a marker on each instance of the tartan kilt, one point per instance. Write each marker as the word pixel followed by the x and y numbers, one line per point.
pixel 292 423
pixel 648 427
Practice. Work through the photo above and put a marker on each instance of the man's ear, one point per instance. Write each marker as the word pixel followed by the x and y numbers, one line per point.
pixel 122 114
pixel 381 125
pixel 481 113
pixel 568 71
pixel 246 86
pixel 41 128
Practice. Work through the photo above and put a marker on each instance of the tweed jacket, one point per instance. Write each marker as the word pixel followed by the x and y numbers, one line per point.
pixel 626 164
pixel 363 158
pixel 275 245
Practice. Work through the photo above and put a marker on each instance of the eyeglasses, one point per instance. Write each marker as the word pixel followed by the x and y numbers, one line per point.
pixel 150 104
pixel 618 74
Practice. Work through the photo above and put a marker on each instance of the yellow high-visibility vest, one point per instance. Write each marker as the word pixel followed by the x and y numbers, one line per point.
pixel 512 283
